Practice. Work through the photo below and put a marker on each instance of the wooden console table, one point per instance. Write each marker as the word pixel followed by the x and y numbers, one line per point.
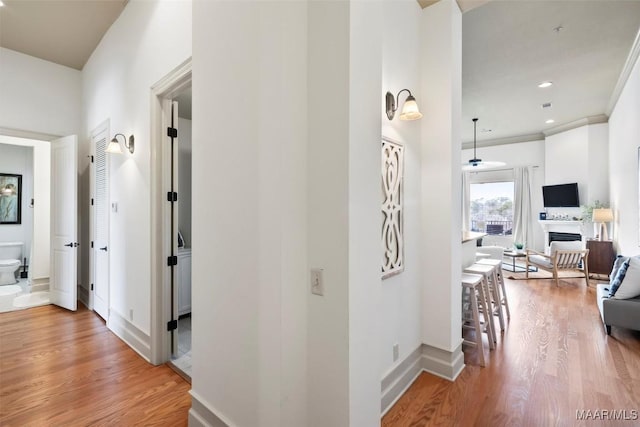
pixel 601 256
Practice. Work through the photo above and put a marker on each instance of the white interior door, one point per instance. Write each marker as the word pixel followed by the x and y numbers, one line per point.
pixel 100 232
pixel 64 203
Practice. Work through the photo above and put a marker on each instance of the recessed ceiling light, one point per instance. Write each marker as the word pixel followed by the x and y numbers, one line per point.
pixel 550 121
pixel 1 4
pixel 544 84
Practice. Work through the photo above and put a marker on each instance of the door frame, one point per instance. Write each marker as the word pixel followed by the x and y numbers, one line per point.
pixel 161 247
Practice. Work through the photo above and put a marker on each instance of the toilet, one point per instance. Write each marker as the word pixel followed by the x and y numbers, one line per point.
pixel 10 254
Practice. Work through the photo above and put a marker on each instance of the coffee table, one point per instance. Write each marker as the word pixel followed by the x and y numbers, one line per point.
pixel 513 255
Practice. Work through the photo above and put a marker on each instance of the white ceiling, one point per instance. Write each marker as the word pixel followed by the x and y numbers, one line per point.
pixel 508 47
pixel 62 31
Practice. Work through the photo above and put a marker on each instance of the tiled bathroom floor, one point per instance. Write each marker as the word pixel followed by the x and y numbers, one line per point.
pixel 18 297
pixel 183 362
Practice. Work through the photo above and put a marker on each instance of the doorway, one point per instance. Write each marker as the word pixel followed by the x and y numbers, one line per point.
pixel 167 236
pixel 181 167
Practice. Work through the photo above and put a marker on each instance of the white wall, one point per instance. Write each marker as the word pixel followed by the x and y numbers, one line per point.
pixel 250 274
pixel 441 96
pixel 400 306
pixel 15 159
pixel 521 154
pixel 364 204
pixel 184 179
pixel 579 155
pixel 38 96
pixel 624 128
pixel 146 42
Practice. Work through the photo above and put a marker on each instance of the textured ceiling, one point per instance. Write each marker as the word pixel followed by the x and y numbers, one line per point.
pixel 508 47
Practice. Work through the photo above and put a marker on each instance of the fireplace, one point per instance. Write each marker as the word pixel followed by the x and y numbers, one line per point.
pixel 561 230
pixel 555 236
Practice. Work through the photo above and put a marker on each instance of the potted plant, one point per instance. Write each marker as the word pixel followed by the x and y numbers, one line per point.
pixel 587 210
pixel 519 247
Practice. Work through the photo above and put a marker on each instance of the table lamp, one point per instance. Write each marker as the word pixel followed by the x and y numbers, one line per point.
pixel 601 217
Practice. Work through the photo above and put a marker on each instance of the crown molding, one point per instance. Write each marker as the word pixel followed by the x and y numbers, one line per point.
pixel 504 141
pixel 591 120
pixel 634 53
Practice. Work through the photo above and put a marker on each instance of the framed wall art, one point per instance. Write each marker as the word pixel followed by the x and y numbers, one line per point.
pixel 10 198
pixel 392 215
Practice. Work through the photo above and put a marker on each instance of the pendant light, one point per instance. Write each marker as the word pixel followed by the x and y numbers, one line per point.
pixel 476 163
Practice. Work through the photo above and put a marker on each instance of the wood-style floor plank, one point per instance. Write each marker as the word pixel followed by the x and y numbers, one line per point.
pixel 61 368
pixel 553 359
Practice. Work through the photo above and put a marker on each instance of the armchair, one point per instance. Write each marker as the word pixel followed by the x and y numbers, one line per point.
pixel 562 256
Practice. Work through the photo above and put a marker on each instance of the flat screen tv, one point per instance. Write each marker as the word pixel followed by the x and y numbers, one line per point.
pixel 561 196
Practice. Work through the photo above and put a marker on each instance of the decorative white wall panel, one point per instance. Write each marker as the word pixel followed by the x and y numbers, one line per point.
pixel 392 226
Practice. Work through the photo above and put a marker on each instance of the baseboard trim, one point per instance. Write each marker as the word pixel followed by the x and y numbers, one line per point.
pixel 83 295
pixel 400 378
pixel 425 358
pixel 40 284
pixel 130 334
pixel 443 363
pixel 200 414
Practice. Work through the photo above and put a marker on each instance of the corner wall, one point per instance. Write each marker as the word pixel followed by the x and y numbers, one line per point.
pixel 250 280
pixel 400 304
pixel 624 128
pixel 441 233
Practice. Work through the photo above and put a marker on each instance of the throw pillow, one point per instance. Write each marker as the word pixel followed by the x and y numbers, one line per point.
pixel 616 266
pixel 617 280
pixel 630 287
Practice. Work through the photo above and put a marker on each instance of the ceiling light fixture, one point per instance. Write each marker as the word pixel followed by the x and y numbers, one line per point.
pixel 476 163
pixel 1 3
pixel 410 109
pixel 550 121
pixel 544 84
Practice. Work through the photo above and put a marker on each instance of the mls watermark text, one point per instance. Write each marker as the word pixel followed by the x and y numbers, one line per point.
pixel 607 414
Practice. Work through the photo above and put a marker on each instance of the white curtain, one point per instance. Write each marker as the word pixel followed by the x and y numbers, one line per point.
pixel 466 204
pixel 522 228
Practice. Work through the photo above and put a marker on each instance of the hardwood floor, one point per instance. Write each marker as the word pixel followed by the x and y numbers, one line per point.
pixel 553 359
pixel 59 368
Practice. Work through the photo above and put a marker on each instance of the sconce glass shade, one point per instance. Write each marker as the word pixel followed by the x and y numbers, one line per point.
pixel 410 109
pixel 113 147
pixel 602 215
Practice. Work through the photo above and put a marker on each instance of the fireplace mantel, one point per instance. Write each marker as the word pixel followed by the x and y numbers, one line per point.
pixel 560 226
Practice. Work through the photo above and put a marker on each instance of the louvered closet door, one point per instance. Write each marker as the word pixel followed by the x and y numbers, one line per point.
pixel 101 227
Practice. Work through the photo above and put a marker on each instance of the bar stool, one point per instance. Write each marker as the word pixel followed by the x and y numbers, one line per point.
pixel 493 294
pixel 498 264
pixel 472 293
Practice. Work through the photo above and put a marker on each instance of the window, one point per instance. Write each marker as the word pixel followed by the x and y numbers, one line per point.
pixel 491 207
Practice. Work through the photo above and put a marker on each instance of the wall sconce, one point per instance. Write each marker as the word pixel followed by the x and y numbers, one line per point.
pixel 114 145
pixel 601 217
pixel 410 109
